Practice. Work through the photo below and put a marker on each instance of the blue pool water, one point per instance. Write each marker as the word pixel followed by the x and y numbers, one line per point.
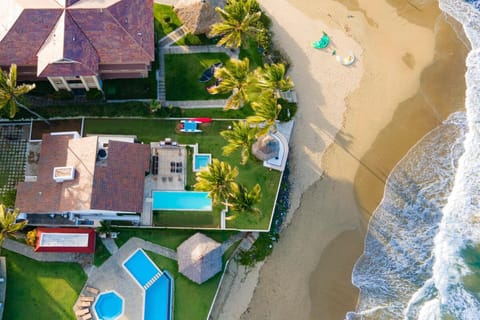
pixel 158 290
pixel 201 161
pixel 109 306
pixel 181 200
pixel 140 267
pixel 158 299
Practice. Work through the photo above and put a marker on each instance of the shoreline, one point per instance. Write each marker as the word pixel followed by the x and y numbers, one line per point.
pixel 348 140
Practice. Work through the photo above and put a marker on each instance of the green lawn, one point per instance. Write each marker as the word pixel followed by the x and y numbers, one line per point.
pixel 101 253
pixel 166 20
pixel 169 238
pixel 192 301
pixel 182 72
pixel 209 141
pixel 41 290
pixel 250 51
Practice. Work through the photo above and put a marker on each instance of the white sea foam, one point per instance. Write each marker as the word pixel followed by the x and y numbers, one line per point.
pixel 412 266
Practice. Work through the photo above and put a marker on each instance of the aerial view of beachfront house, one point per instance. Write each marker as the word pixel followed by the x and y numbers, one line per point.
pixel 74 44
pixel 82 180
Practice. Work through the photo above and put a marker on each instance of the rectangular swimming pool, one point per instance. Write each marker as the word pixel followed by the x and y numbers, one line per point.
pixel 181 201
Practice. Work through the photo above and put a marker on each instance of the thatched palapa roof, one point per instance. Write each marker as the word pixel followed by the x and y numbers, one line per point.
pixel 199 258
pixel 198 15
pixel 265 148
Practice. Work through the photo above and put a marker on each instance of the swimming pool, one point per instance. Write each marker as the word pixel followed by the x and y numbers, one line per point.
pixel 108 306
pixel 158 286
pixel 201 160
pixel 181 200
pixel 141 267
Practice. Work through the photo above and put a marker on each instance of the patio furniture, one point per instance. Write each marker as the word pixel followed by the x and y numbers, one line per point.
pixel 88 316
pixel 92 290
pixel 82 312
pixel 85 298
pixel 84 304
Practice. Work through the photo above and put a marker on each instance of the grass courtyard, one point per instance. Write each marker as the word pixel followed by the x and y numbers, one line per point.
pixel 182 74
pixel 42 290
pixel 209 141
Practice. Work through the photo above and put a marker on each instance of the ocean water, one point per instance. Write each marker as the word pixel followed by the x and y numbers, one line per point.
pixel 422 249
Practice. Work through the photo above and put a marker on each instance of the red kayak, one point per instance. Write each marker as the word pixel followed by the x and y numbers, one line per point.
pixel 202 120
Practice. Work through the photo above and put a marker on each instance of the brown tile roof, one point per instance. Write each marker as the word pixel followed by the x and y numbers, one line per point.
pixel 45 195
pixel 113 31
pixel 119 185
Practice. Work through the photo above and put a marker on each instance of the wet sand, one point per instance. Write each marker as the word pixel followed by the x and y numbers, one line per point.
pixel 339 167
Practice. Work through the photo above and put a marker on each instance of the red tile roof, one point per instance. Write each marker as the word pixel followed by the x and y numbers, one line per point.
pixel 119 185
pixel 111 32
pixel 45 195
pixel 116 186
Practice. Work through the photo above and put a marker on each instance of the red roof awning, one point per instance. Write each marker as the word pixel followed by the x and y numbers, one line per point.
pixel 65 240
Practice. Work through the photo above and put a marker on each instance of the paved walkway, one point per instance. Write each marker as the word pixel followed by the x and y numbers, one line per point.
pixel 28 251
pixel 110 244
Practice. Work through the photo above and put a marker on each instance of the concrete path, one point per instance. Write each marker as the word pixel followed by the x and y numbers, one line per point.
pixel 192 104
pixel 27 251
pixel 110 244
pixel 173 37
pixel 232 53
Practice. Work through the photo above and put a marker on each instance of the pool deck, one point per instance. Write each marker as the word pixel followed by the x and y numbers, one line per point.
pixel 166 179
pixel 113 276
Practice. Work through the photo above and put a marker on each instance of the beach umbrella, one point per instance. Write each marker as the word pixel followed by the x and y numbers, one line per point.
pixel 198 15
pixel 199 258
pixel 265 148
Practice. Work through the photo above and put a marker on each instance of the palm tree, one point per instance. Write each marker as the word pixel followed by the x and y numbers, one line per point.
pixel 236 78
pixel 272 79
pixel 218 179
pixel 238 23
pixel 8 224
pixel 10 93
pixel 266 111
pixel 242 136
pixel 243 200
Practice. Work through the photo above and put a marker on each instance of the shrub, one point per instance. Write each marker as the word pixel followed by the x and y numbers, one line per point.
pixel 8 198
pixel 94 94
pixel 288 110
pixel 31 237
pixel 62 95
pixel 169 111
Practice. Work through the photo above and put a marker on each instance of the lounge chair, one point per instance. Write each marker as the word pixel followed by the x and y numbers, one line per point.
pixel 88 316
pixel 92 290
pixel 81 312
pixel 84 304
pixel 85 298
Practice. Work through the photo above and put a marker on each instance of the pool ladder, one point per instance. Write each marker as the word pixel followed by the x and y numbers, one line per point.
pixel 152 281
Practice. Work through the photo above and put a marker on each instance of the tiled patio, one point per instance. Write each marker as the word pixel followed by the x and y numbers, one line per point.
pixel 172 162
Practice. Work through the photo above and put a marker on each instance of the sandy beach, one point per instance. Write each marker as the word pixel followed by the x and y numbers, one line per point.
pixel 353 125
